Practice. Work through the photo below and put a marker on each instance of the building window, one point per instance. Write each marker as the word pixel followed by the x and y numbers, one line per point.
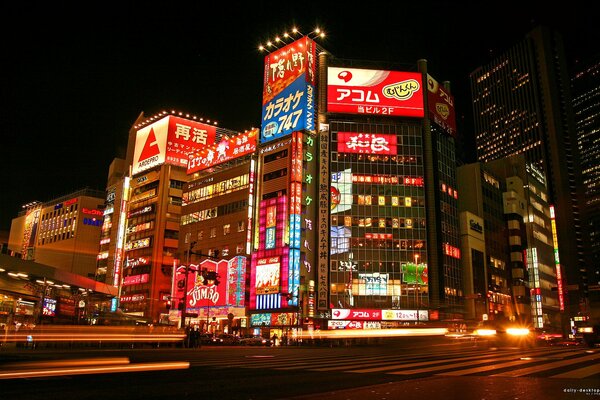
pixel 240 226
pixel 239 248
pixel 225 252
pixel 213 232
pixel 226 229
pixel 200 235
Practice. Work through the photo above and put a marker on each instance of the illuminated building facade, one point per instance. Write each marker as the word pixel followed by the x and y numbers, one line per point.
pixel 357 213
pixel 147 232
pixel 62 233
pixel 585 87
pixel 511 198
pixel 105 271
pixel 282 275
pixel 216 227
pixel 521 104
pixel 394 237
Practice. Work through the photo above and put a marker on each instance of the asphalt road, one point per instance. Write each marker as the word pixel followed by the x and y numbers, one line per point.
pixel 410 369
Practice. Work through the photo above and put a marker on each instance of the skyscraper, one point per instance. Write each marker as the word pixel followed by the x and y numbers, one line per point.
pixel 586 106
pixel 521 104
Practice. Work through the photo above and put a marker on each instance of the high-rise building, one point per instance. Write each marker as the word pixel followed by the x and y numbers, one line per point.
pixel 586 106
pixel 216 235
pixel 146 229
pixel 521 104
pixel 356 196
pixel 511 198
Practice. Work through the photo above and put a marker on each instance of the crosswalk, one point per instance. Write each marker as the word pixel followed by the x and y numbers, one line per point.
pixel 568 363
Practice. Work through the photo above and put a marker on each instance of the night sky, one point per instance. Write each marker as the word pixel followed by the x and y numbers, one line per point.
pixel 75 76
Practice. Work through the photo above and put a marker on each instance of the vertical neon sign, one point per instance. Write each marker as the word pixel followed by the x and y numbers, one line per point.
pixel 121 233
pixel 559 281
pixel 250 207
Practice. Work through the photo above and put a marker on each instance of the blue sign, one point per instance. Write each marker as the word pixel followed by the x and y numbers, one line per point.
pixel 291 110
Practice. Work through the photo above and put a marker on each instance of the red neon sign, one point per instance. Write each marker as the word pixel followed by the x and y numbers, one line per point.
pixel 367 143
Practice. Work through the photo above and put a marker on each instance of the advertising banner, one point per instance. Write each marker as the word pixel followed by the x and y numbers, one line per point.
pixel 268 275
pixel 225 150
pixel 356 314
pixel 367 143
pixel 288 90
pixel 170 140
pixel 441 106
pixel 414 274
pixel 202 292
pixel 376 92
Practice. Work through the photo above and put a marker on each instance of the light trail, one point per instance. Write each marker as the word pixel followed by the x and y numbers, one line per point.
pixel 97 369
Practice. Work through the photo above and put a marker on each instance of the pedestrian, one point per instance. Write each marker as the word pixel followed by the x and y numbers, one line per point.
pixel 275 340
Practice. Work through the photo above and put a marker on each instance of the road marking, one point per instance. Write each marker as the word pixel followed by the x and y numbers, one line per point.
pixel 545 367
pixel 580 373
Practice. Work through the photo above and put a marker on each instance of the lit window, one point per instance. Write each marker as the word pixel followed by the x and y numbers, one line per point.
pixel 226 229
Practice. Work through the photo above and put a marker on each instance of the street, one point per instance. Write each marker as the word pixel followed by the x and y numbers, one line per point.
pixel 423 368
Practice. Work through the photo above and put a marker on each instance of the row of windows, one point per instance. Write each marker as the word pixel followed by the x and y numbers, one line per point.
pixel 210 213
pixel 216 189
pixel 59 211
pixel 379 222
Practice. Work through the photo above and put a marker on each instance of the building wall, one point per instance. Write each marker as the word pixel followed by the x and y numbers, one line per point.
pixel 521 104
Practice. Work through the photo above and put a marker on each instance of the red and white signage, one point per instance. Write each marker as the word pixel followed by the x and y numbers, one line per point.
pixel 441 106
pixel 376 92
pixel 170 140
pixel 136 279
pixel 353 324
pixel 357 315
pixel 366 143
pixel 225 150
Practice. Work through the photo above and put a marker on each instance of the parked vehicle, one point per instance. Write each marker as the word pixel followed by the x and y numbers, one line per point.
pixel 209 338
pixel 228 339
pixel 254 340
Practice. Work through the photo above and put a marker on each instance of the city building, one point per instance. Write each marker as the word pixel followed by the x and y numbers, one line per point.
pixel 585 86
pixel 47 277
pixel 62 233
pixel 146 211
pixel 521 104
pixel 356 196
pixel 510 196
pixel 216 236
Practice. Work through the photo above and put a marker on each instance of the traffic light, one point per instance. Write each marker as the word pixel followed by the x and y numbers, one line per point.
pixel 168 304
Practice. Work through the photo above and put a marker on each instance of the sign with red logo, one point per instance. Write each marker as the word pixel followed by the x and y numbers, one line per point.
pixel 441 106
pixel 366 143
pixel 202 292
pixel 170 140
pixel 357 315
pixel 376 92
pixel 225 150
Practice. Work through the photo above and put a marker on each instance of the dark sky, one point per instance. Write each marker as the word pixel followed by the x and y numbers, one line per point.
pixel 75 75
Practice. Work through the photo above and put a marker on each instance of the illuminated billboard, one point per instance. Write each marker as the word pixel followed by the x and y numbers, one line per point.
pixel 441 106
pixel 414 273
pixel 375 92
pixel 170 140
pixel 341 191
pixel 367 143
pixel 225 150
pixel 268 275
pixel 288 90
pixel 202 292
